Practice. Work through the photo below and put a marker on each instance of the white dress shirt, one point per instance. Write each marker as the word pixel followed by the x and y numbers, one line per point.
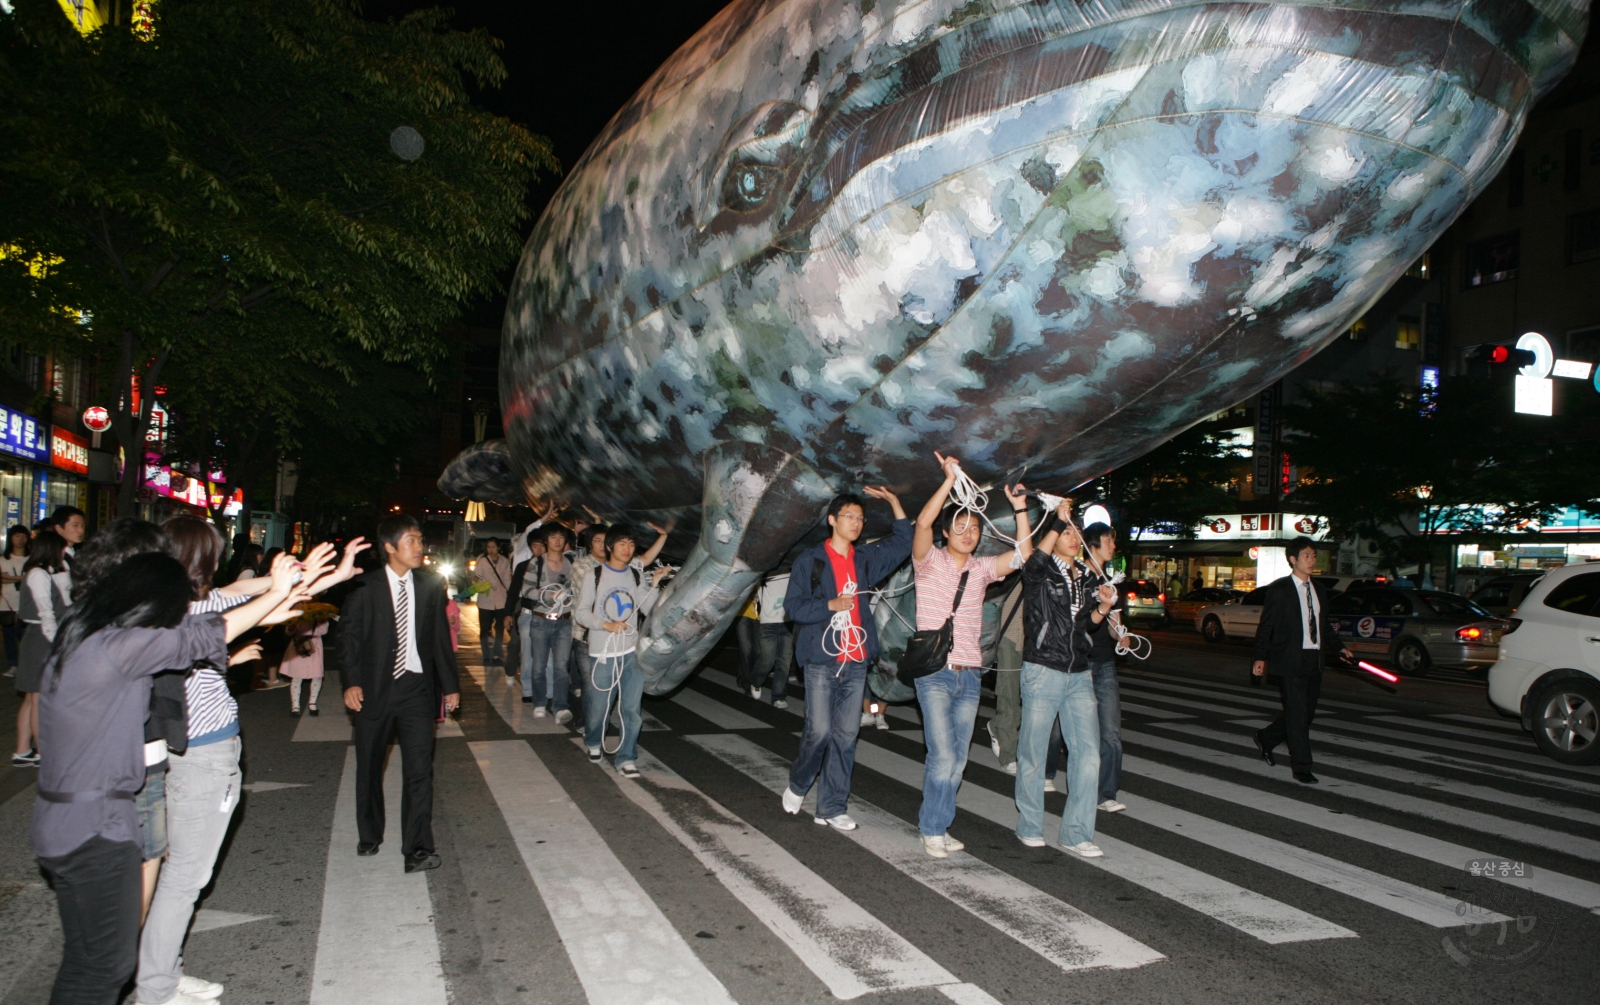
pixel 1300 587
pixel 413 656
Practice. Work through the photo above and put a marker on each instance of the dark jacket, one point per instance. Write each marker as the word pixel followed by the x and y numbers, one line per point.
pixel 367 639
pixel 811 586
pixel 1280 636
pixel 1055 615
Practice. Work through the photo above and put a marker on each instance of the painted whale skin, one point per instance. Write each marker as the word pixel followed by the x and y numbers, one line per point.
pixel 828 238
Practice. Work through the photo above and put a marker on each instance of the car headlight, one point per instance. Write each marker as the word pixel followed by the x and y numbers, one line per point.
pixel 445 570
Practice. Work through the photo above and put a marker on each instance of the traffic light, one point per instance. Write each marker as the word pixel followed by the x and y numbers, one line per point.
pixel 1502 357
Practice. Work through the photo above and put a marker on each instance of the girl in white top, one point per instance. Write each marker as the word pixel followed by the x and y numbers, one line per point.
pixel 42 603
pixel 17 539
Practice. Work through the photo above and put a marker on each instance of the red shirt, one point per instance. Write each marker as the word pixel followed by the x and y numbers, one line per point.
pixel 844 571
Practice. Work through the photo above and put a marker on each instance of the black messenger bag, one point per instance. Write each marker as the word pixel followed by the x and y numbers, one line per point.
pixel 928 650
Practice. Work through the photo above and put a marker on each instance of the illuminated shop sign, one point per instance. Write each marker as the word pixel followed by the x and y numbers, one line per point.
pixel 24 436
pixel 69 452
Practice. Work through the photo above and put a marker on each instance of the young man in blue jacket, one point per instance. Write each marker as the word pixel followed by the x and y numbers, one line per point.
pixel 837 641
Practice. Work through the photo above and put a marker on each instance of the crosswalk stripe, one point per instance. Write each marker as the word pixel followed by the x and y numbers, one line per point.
pixel 1482 823
pixel 1062 934
pixel 1172 692
pixel 1447 728
pixel 391 910
pixel 505 695
pixel 1533 804
pixel 849 950
pixel 1503 753
pixel 1568 889
pixel 623 949
pixel 1509 725
pixel 1240 690
pixel 1498 772
pixel 1187 702
pixel 1154 713
pixel 1395 895
pixel 1250 912
pixel 714 711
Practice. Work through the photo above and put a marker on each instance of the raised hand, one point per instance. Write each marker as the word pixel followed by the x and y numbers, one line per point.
pixel 1017 496
pixel 593 516
pixel 950 465
pixel 551 511
pixel 245 654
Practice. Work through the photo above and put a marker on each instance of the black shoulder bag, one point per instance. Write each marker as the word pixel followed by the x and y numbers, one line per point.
pixel 928 650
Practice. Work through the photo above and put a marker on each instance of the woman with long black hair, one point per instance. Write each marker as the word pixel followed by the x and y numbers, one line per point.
pixel 130 625
pixel 46 593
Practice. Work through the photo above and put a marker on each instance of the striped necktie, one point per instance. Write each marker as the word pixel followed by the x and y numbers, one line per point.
pixel 402 630
pixel 1311 616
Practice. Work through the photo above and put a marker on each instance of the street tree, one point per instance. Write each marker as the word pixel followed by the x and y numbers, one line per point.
pixel 156 193
pixel 1380 461
pixel 1170 489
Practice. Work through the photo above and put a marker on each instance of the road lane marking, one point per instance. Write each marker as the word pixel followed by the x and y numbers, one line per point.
pixel 715 712
pixel 1437 783
pixel 1154 713
pixel 391 911
pixel 848 949
pixel 1470 748
pixel 504 694
pixel 1250 912
pixel 1168 680
pixel 624 950
pixel 1062 934
pixel 1510 725
pixel 1555 885
pixel 1453 729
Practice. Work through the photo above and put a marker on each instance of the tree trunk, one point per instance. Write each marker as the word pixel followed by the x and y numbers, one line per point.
pixel 131 425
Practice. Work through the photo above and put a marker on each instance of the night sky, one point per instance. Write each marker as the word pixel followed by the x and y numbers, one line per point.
pixel 571 65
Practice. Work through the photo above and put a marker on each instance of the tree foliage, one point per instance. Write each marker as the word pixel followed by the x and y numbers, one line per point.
pixel 1170 489
pixel 224 198
pixel 1378 462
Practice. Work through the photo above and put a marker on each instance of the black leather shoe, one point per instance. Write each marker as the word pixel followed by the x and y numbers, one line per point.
pixel 421 861
pixel 312 711
pixel 294 713
pixel 1305 778
pixel 1256 681
pixel 1266 751
pixel 527 700
pixel 367 848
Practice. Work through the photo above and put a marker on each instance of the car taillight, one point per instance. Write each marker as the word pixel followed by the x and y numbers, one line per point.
pixel 1132 595
pixel 1161 597
pixel 1512 624
pixel 1471 633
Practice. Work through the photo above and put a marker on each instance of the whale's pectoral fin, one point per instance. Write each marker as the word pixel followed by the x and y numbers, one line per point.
pixel 758 502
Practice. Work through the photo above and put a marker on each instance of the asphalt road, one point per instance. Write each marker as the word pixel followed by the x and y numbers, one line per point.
pixel 1224 881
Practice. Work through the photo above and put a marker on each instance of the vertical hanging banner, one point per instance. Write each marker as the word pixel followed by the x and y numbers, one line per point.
pixel 1265 459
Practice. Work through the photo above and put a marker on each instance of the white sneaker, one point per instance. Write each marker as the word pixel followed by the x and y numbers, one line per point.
pixel 1049 784
pixel 540 712
pixel 182 999
pixel 755 693
pixel 1011 768
pixel 194 987
pixel 879 721
pixel 564 716
pixel 1111 806
pixel 935 846
pixel 951 844
pixel 1088 849
pixel 628 769
pixel 994 745
pixel 867 718
pixel 1031 842
pixel 841 822
pixel 780 703
pixel 792 801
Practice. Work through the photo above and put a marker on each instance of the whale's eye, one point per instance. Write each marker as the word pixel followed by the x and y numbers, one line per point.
pixel 747 184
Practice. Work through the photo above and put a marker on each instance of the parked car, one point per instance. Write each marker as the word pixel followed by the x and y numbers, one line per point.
pixel 1186 607
pixel 1237 617
pixel 1339 584
pixel 1548 673
pixel 1145 602
pixel 1502 595
pixel 1415 629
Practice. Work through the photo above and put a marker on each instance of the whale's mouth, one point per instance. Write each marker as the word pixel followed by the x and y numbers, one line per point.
pixel 1003 62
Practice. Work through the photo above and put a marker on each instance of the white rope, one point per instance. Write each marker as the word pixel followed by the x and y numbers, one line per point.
pixel 968 497
pixel 555 599
pixel 850 636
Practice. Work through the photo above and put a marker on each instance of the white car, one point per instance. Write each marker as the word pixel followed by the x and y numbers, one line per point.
pixel 1238 618
pixel 1548 672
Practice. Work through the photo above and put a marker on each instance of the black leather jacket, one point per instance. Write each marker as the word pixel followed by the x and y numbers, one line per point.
pixel 1055 614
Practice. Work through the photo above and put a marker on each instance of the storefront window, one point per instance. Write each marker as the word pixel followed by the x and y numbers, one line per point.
pixel 15 490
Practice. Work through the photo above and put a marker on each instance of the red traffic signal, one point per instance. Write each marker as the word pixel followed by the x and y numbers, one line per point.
pixel 1504 354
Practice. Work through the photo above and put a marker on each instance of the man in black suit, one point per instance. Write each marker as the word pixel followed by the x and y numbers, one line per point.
pixel 1296 629
pixel 396 660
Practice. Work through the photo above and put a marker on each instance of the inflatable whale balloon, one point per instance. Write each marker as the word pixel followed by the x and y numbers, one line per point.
pixel 829 237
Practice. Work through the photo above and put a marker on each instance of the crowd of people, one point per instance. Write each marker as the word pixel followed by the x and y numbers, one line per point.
pixel 120 645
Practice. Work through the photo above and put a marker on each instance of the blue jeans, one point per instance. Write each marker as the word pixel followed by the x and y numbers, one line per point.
pixel 828 745
pixel 773 653
pixel 601 693
pixel 1046 696
pixel 949 700
pixel 1108 697
pixel 546 647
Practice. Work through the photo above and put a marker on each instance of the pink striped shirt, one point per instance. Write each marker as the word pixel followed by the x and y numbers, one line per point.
pixel 937 577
